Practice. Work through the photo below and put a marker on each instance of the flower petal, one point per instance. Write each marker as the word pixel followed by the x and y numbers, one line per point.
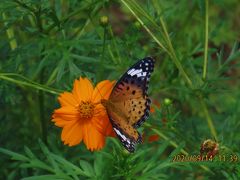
pixel 82 89
pixel 61 122
pixel 102 122
pixel 99 110
pixel 102 90
pixel 72 134
pixel 68 113
pixel 67 99
pixel 92 138
pixel 103 125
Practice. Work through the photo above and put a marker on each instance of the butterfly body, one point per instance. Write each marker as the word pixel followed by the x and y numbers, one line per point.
pixel 128 105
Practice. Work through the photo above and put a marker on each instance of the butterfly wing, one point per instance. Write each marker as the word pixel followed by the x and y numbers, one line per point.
pixel 129 104
pixel 131 91
pixel 125 132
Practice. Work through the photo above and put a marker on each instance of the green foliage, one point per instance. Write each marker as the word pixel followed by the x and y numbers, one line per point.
pixel 104 164
pixel 45 45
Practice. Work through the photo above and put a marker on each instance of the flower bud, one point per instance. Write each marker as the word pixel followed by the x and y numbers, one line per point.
pixel 137 24
pixel 167 101
pixel 104 20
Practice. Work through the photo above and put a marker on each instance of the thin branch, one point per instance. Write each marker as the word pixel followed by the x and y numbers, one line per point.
pixel 206 42
pixel 25 6
pixel 41 87
pixel 209 119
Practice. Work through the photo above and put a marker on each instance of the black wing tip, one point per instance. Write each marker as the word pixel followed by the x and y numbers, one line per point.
pixel 151 61
pixel 150 58
pixel 132 148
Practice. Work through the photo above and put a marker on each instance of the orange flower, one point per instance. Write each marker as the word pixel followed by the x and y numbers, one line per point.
pixel 153 138
pixel 82 116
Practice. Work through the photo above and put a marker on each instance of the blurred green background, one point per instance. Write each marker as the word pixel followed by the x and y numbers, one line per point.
pixel 46 44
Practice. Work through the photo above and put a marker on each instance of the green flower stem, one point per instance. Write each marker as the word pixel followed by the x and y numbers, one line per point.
pixel 10 34
pixel 206 42
pixel 209 119
pixel 104 42
pixel 26 82
pixel 41 101
pixel 171 51
pixel 174 144
pixel 114 44
pixel 174 57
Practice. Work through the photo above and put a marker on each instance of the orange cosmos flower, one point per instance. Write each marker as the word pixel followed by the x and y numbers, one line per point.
pixel 82 116
pixel 153 138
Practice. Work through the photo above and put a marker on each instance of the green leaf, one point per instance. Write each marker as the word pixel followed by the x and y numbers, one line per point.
pixel 85 59
pixel 48 155
pixel 29 153
pixel 68 166
pixel 74 70
pixel 37 164
pixel 87 168
pixel 98 164
pixel 44 177
pixel 61 68
pixel 14 156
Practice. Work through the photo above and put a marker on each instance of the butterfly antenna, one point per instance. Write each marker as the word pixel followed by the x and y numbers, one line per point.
pixel 100 94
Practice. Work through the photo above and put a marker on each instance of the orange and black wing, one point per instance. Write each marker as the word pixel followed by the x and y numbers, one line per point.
pixel 129 103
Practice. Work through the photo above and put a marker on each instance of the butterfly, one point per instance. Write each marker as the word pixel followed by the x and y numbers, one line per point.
pixel 128 105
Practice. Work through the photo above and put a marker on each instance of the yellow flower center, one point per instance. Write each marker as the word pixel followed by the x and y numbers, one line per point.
pixel 86 109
